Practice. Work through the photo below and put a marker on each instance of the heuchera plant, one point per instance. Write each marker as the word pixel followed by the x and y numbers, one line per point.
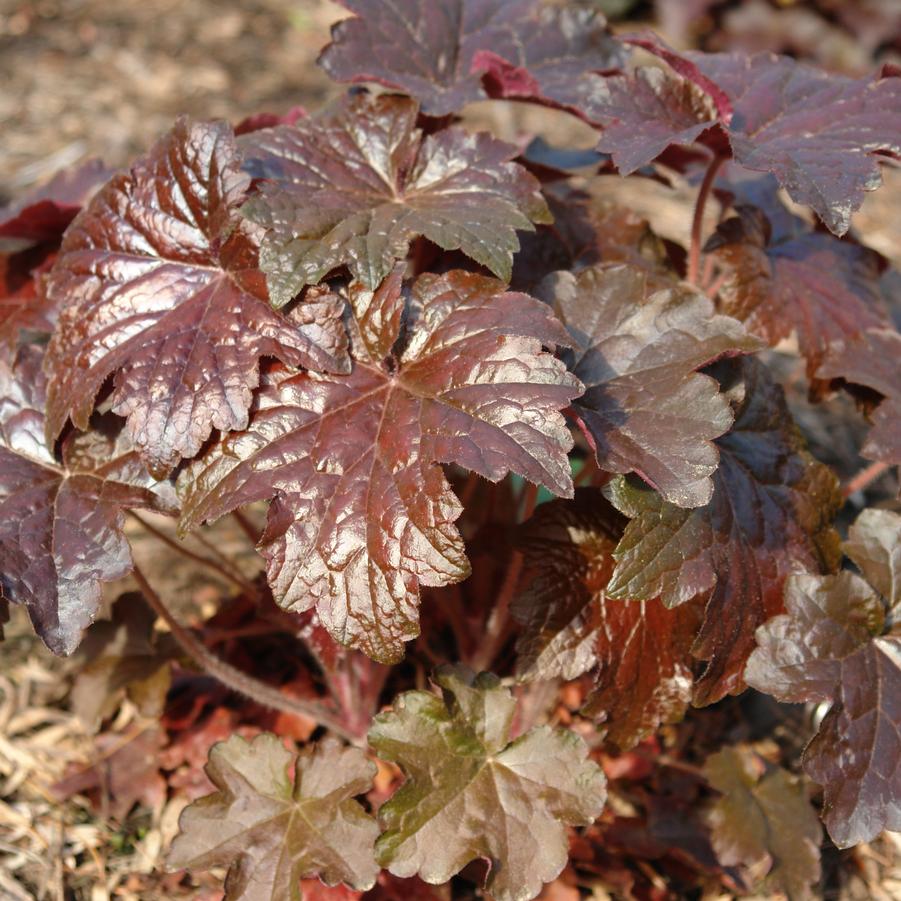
pixel 359 315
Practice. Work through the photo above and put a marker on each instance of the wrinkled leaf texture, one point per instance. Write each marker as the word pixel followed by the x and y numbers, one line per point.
pixel 472 793
pixel 637 348
pixel 271 831
pixel 839 641
pixel 819 133
pixel 362 515
pixel 157 283
pixel 825 290
pixel 354 185
pixel 770 515
pixel 61 520
pixel 641 649
pixel 447 53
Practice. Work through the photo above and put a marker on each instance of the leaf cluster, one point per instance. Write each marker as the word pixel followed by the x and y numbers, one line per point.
pixel 360 317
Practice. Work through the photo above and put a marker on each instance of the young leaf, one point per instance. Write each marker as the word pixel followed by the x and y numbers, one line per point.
pixel 157 283
pixel 764 818
pixel 770 515
pixel 354 185
pixel 871 360
pixel 441 53
pixel 838 642
pixel 120 657
pixel 471 792
pixel 642 650
pixel 637 349
pixel 271 831
pixel 362 514
pixel 61 522
pixel 824 289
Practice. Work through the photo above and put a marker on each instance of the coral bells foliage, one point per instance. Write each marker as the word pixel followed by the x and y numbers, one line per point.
pixel 353 319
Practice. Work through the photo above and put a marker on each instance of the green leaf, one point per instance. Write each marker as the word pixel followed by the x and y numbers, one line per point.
pixel 472 793
pixel 270 832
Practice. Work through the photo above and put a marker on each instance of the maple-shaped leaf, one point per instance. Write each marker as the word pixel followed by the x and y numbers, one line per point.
pixel 271 830
pixel 157 283
pixel 61 520
pixel 44 213
pixel 770 515
pixel 637 348
pixel 354 185
pixel 363 515
pixel 472 793
pixel 838 641
pixel 764 819
pixel 452 53
pixel 871 359
pixel 819 133
pixel 641 649
pixel 824 289
pixel 119 657
pixel 645 112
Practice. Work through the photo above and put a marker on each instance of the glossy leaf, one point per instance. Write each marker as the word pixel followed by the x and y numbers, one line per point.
pixel 770 515
pixel 823 289
pixel 644 112
pixel 157 284
pixel 764 819
pixel 354 185
pixel 836 643
pixel 362 515
pixel 637 349
pixel 819 133
pixel 61 521
pixel 641 649
pixel 871 360
pixel 471 792
pixel 450 53
pixel 271 831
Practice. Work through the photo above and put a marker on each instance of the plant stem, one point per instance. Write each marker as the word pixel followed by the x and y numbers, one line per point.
pixel 247 527
pixel 697 222
pixel 498 626
pixel 865 478
pixel 233 678
pixel 218 568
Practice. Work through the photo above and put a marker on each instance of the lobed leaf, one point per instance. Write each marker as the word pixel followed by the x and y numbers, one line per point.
pixel 764 818
pixel 637 349
pixel 770 516
pixel 271 831
pixel 641 649
pixel 825 290
pixel 362 514
pixel 157 283
pixel 354 185
pixel 452 52
pixel 61 521
pixel 838 642
pixel 819 133
pixel 470 792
